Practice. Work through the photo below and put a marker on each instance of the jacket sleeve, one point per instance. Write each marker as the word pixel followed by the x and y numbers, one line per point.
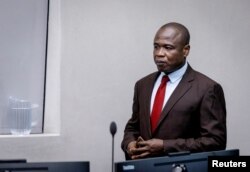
pixel 131 131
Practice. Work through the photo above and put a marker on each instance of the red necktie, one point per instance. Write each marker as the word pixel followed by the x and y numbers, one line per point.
pixel 158 102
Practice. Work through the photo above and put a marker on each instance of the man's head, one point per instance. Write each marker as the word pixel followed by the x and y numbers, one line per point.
pixel 171 47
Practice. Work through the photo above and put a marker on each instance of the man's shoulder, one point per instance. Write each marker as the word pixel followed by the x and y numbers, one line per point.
pixel 150 77
pixel 200 77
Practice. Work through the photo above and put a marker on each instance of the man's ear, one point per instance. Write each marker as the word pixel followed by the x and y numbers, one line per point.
pixel 186 50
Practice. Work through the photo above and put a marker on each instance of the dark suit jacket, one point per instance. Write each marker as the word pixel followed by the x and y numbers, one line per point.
pixel 193 119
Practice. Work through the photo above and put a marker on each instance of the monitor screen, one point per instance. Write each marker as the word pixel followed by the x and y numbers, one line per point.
pixel 13 160
pixel 24 169
pixel 192 162
pixel 27 170
pixel 80 166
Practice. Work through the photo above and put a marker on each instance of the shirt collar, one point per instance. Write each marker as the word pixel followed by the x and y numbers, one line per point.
pixel 176 75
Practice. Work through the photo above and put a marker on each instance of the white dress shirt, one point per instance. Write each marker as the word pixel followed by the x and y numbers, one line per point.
pixel 174 79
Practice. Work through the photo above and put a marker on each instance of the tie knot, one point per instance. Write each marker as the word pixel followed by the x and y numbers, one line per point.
pixel 164 79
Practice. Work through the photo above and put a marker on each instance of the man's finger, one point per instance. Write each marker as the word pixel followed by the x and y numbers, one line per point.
pixel 143 155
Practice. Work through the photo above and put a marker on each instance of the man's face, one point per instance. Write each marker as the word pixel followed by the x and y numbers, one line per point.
pixel 169 49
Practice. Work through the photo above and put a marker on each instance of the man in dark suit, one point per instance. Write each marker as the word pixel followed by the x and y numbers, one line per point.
pixel 193 114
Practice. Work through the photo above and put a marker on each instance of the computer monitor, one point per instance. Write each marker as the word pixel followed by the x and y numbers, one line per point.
pixel 25 169
pixel 74 166
pixel 191 162
pixel 16 167
pixel 13 160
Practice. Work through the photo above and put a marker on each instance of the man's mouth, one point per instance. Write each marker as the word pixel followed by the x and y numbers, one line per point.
pixel 160 63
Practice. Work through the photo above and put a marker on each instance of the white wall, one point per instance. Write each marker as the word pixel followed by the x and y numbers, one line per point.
pixel 103 47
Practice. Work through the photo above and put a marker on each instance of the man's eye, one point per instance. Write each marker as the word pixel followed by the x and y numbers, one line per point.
pixel 156 46
pixel 169 47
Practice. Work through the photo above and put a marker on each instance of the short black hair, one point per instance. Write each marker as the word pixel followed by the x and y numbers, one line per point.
pixel 181 28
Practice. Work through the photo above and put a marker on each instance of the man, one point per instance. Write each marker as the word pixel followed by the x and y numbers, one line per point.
pixel 193 113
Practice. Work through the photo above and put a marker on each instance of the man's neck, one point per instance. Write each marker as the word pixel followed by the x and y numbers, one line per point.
pixel 167 72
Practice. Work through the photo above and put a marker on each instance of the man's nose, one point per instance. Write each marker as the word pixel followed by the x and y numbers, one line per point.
pixel 159 52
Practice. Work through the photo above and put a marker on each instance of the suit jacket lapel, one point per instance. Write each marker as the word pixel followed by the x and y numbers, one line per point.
pixel 184 85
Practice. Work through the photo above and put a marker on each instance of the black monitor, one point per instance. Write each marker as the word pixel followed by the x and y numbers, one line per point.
pixel 13 160
pixel 25 169
pixel 74 166
pixel 191 162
